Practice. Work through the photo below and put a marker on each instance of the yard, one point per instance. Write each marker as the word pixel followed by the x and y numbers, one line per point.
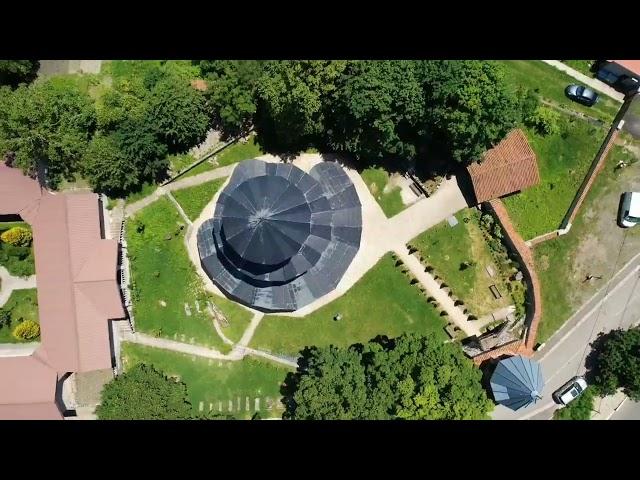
pixel 591 246
pixel 582 66
pixel 563 160
pixel 549 83
pixel 388 197
pixel 382 302
pixel 460 255
pixel 218 383
pixel 194 199
pixel 22 305
pixel 167 291
pixel 18 261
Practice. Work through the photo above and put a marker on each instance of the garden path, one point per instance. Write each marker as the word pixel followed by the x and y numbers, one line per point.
pixel 11 283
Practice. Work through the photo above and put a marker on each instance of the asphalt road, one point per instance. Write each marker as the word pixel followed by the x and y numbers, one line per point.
pixel 628 411
pixel 563 356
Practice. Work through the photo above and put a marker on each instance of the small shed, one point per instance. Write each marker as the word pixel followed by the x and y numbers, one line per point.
pixel 510 166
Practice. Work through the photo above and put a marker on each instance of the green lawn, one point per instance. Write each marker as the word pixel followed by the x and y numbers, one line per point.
pixel 390 201
pixel 22 305
pixel 583 66
pixel 381 303
pixel 445 248
pixel 177 163
pixel 563 161
pixel 239 151
pixel 194 199
pixel 145 190
pixel 550 83
pixel 213 381
pixel 18 261
pixel 163 272
pixel 591 246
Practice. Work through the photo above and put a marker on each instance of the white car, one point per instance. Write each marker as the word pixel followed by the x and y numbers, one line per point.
pixel 570 390
pixel 629 209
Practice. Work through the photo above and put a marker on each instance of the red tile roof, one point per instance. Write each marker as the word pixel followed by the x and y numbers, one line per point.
pixel 77 289
pixel 508 167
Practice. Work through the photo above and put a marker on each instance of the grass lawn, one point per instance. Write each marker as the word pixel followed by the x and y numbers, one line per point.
pixel 563 163
pixel 583 66
pixel 445 248
pixel 390 200
pixel 550 83
pixel 591 247
pixel 21 305
pixel 213 381
pixel 18 261
pixel 145 190
pixel 162 271
pixel 179 162
pixel 194 199
pixel 381 303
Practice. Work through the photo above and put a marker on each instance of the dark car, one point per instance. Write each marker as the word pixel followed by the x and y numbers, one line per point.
pixel 581 94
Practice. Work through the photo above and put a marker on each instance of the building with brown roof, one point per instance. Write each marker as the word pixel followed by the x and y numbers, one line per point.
pixel 77 292
pixel 509 167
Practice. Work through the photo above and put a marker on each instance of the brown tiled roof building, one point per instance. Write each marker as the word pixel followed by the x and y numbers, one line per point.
pixel 508 167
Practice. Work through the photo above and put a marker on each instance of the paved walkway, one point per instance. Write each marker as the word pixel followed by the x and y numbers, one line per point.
pixel 18 349
pixel 591 82
pixel 11 283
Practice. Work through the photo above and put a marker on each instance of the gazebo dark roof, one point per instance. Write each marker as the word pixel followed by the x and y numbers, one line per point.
pixel 281 238
pixel 517 382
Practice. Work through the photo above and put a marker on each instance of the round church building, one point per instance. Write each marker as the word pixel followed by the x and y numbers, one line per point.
pixel 281 238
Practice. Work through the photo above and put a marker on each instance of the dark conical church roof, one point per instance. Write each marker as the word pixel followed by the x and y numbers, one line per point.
pixel 517 382
pixel 279 237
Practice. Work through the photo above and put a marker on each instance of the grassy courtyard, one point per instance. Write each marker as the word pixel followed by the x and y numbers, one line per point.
pixel 389 199
pixel 549 83
pixel 18 261
pixel 22 305
pixel 165 280
pixel 382 302
pixel 447 248
pixel 582 66
pixel 194 199
pixel 213 381
pixel 563 161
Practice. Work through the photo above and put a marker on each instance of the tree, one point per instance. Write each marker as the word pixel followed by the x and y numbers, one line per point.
pixel 377 110
pixel 179 113
pixel 144 393
pixel 469 108
pixel 139 141
pixel 17 236
pixel 106 166
pixel 50 121
pixel 27 330
pixel 232 92
pixel 409 377
pixel 15 72
pixel 125 101
pixel 292 99
pixel 615 363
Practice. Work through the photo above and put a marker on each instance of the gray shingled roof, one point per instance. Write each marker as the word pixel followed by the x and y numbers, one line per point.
pixel 517 382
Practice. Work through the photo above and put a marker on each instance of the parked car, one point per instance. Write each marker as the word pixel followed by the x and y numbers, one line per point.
pixel 629 209
pixel 570 391
pixel 581 94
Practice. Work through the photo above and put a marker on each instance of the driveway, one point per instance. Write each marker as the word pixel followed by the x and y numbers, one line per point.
pixel 564 354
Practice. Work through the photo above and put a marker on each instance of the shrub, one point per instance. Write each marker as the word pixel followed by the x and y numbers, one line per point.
pixel 27 330
pixel 17 236
pixel 545 121
pixel 5 318
pixel 579 409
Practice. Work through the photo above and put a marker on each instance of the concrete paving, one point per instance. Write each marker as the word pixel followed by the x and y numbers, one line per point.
pixel 563 356
pixel 591 82
pixel 629 410
pixel 11 283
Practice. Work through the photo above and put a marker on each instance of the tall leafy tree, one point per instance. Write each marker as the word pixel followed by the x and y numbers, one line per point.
pixel 291 103
pixel 15 72
pixel 107 167
pixel 144 393
pixel 179 113
pixel 469 107
pixel 377 111
pixel 232 92
pixel 409 377
pixel 50 122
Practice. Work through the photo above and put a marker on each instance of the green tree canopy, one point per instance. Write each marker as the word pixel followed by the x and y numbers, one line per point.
pixel 15 72
pixel 377 110
pixel 409 377
pixel 106 166
pixel 615 363
pixel 144 393
pixel 292 96
pixel 50 121
pixel 179 113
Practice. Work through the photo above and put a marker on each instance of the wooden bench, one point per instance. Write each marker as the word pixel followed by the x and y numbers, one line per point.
pixel 496 293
